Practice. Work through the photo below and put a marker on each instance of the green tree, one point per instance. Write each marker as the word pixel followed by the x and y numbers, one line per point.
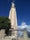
pixel 5 23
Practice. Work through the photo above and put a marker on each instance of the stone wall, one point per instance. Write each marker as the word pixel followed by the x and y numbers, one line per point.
pixel 2 33
pixel 3 37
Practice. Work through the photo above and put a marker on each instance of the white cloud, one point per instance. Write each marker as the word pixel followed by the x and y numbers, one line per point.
pixel 23 25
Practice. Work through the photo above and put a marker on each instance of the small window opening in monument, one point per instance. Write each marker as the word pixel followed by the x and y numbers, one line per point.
pixel 28 33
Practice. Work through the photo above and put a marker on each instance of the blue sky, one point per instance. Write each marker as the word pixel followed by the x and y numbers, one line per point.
pixel 22 8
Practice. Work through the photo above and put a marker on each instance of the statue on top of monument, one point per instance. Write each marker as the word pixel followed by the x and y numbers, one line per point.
pixel 13 5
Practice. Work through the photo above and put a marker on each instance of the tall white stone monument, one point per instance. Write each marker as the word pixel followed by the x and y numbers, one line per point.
pixel 13 18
